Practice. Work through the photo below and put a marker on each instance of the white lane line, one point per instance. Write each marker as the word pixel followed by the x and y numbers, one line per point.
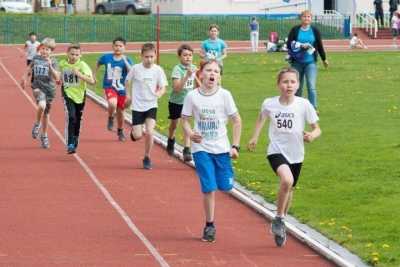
pixel 99 185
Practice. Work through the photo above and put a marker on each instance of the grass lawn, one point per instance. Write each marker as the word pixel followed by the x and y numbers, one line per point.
pixel 350 184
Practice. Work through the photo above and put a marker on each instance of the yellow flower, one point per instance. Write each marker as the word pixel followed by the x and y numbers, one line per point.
pixel 368 245
pixel 375 254
pixel 385 246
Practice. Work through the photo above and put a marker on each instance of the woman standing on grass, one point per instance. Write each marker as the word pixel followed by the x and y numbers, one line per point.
pixel 304 44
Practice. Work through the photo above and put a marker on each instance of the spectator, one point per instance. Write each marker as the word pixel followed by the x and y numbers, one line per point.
pixel 304 44
pixel 357 42
pixel 379 11
pixel 254 34
pixel 392 8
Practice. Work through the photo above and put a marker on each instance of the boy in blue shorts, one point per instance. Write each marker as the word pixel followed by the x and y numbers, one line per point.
pixel 183 81
pixel 211 107
pixel 117 66
pixel 213 47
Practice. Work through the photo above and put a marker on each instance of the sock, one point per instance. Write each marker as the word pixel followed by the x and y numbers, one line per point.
pixel 209 224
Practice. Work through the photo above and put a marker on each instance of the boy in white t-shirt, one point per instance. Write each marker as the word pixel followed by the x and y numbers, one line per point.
pixel 211 107
pixel 30 47
pixel 148 83
pixel 288 116
pixel 357 42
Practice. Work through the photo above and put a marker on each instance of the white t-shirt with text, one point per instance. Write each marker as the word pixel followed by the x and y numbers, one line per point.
pixel 211 114
pixel 286 127
pixel 145 83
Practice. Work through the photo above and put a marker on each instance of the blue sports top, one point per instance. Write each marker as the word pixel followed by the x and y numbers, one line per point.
pixel 254 26
pixel 214 48
pixel 115 72
pixel 307 36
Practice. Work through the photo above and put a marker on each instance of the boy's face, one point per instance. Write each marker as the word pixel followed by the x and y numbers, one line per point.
pixel 306 19
pixel 213 33
pixel 32 38
pixel 119 48
pixel 148 58
pixel 45 51
pixel 186 57
pixel 74 55
pixel 211 74
pixel 288 84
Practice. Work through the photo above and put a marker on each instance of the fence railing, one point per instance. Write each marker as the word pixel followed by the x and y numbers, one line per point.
pixel 14 28
pixel 368 23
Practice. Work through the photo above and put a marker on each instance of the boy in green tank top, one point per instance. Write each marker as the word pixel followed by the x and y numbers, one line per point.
pixel 183 77
pixel 75 75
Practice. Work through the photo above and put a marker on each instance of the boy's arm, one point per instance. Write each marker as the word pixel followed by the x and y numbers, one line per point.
pixel 194 136
pixel 85 77
pixel 251 146
pixel 314 134
pixel 236 133
pixel 128 83
pixel 178 84
pixel 25 76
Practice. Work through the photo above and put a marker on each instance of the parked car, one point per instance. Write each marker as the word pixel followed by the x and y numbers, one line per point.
pixel 124 7
pixel 16 6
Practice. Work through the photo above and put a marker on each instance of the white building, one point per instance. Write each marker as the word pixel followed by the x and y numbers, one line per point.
pixel 262 7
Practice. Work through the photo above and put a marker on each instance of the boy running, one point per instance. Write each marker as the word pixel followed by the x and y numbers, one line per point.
pixel 75 75
pixel 148 83
pixel 211 107
pixel 288 114
pixel 117 66
pixel 44 70
pixel 183 80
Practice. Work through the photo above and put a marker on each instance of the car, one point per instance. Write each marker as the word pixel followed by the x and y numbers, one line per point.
pixel 16 6
pixel 124 7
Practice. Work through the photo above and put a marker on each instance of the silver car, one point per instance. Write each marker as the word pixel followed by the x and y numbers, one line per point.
pixel 124 7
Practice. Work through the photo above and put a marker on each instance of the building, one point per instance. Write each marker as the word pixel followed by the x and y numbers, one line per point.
pixel 261 7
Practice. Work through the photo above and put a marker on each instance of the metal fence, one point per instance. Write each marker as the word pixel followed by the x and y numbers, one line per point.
pixel 14 28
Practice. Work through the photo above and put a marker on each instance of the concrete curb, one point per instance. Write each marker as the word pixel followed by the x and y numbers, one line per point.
pixel 324 246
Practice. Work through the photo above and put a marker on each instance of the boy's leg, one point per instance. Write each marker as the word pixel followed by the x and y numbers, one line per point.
pixel 209 206
pixel 79 113
pixel 122 102
pixel 171 136
pixel 71 117
pixel 149 139
pixel 112 101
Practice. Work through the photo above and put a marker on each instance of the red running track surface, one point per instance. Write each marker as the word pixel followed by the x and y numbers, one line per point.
pixel 53 214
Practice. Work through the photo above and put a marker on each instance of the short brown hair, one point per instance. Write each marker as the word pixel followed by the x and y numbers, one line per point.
pixel 213 26
pixel 287 70
pixel 148 47
pixel 184 47
pixel 305 12
pixel 49 42
pixel 74 46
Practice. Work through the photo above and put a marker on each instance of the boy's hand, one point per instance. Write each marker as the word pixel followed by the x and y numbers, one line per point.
pixel 251 146
pixel 234 153
pixel 308 137
pixel 23 83
pixel 196 137
pixel 326 63
pixel 190 71
pixel 77 72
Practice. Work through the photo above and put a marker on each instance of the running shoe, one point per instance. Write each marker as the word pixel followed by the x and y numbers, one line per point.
pixel 170 146
pixel 279 231
pixel 121 135
pixel 187 155
pixel 147 163
pixel 209 234
pixel 35 130
pixel 110 123
pixel 44 139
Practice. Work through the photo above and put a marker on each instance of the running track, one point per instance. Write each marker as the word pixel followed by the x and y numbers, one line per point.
pixel 100 208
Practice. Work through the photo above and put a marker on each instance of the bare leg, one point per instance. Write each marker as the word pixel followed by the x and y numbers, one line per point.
pixel 172 128
pixel 149 140
pixel 286 182
pixel 120 118
pixel 112 106
pixel 45 122
pixel 209 206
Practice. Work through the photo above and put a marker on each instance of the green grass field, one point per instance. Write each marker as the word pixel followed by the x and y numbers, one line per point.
pixel 349 188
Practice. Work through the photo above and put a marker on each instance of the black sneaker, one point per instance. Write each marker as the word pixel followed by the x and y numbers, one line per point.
pixel 121 135
pixel 147 163
pixel 278 229
pixel 71 149
pixel 35 130
pixel 209 234
pixel 110 123
pixel 170 146
pixel 187 155
pixel 44 140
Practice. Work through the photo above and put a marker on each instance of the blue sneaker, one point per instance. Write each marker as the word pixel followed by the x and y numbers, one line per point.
pixel 71 149
pixel 147 163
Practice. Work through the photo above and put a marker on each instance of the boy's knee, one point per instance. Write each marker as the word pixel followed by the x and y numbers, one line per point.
pixel 135 136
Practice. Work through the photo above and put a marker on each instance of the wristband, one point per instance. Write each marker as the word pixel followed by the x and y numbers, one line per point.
pixel 236 147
